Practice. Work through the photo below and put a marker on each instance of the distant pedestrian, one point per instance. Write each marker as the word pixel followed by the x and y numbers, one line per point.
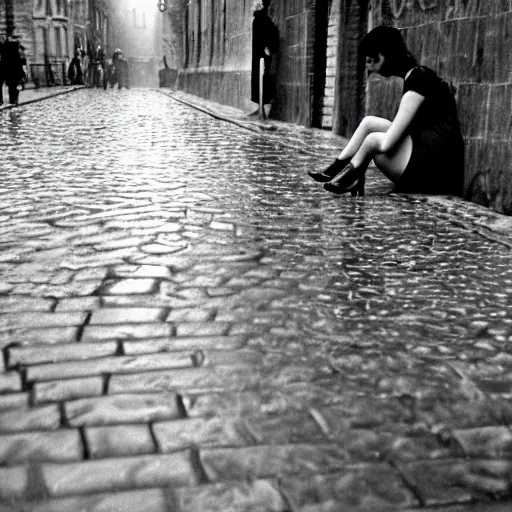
pixel 12 68
pixel 87 67
pixel 265 44
pixel 122 70
pixel 165 74
pixel 75 72
pixel 422 149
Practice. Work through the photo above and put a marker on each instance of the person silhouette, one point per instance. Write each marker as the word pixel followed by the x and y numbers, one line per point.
pixel 421 150
pixel 12 72
pixel 265 44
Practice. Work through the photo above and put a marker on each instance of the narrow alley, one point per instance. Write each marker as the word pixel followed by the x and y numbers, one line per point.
pixel 191 324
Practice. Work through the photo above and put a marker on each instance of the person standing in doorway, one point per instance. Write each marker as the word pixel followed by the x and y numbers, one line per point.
pixel 12 68
pixel 75 72
pixel 265 44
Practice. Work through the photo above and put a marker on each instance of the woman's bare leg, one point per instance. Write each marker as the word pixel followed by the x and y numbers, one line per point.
pixel 392 165
pixel 368 125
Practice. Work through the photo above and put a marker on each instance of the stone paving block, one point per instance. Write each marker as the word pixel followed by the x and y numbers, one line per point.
pixel 191 343
pixel 222 464
pixel 258 495
pixel 297 427
pixel 232 357
pixel 117 409
pixel 409 446
pixel 358 487
pixel 10 382
pixel 57 446
pixel 127 316
pixel 135 301
pixel 202 329
pixel 127 332
pixel 92 275
pixel 109 365
pixel 38 354
pixel 17 304
pixel 67 389
pixel 191 315
pixel 121 473
pixel 485 442
pixel 267 401
pixel 452 481
pixel 13 483
pixel 35 418
pixel 128 242
pixel 52 335
pixel 201 433
pixel 221 404
pixel 505 506
pixel 208 379
pixel 248 329
pixel 142 271
pixel 14 401
pixel 78 304
pixel 236 315
pixel 453 411
pixel 41 320
pixel 143 500
pixel 130 287
pixel 364 412
pixel 118 441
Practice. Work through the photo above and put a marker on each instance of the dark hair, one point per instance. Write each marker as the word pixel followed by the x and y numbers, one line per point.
pixel 389 42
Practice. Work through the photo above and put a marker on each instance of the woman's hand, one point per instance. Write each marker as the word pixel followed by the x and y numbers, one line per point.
pixel 409 105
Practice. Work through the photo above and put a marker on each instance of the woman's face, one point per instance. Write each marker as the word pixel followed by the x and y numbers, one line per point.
pixel 374 64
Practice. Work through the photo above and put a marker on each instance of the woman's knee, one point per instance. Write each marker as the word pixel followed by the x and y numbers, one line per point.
pixel 375 124
pixel 373 140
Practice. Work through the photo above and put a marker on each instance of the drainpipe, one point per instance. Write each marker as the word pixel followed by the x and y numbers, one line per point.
pixel 9 17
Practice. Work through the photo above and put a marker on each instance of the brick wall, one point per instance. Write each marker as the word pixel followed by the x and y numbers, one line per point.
pixel 331 64
pixel 469 43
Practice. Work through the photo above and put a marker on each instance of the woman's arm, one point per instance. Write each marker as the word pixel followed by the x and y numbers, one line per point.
pixel 409 105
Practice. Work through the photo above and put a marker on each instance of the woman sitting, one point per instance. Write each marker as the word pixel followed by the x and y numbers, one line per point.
pixel 422 149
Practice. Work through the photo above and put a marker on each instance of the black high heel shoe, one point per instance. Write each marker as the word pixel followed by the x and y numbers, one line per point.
pixel 351 179
pixel 329 172
pixel 356 188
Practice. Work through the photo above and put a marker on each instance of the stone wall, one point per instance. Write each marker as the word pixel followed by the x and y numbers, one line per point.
pixel 218 49
pixel 469 43
pixel 299 97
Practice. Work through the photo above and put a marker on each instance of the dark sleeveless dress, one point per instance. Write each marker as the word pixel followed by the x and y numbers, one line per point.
pixel 436 165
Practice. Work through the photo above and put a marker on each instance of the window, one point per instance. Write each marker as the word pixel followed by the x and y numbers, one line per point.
pixel 57 42
pixel 139 18
pixel 65 45
pixel 105 30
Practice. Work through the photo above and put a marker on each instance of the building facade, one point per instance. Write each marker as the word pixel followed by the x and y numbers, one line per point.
pixel 321 81
pixel 52 30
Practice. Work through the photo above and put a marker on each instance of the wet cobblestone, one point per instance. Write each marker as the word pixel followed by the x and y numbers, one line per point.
pixel 187 321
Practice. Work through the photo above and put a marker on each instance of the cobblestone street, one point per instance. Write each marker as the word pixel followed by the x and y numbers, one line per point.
pixel 191 324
